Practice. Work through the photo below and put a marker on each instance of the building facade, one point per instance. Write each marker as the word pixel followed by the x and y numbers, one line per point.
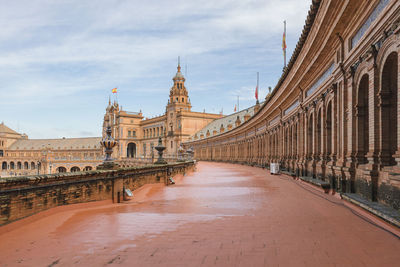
pixel 20 155
pixel 137 136
pixel 334 113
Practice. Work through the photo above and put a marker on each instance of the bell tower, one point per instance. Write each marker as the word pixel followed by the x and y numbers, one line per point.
pixel 178 95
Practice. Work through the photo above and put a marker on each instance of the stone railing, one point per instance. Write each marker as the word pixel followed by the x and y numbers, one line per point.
pixel 26 195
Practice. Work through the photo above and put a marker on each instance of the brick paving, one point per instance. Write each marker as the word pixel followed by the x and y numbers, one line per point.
pixel 220 215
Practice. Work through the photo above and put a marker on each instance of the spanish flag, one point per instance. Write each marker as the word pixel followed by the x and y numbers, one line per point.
pixel 284 43
pixel 114 90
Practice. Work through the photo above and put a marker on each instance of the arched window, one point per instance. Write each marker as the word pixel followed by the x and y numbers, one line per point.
pixel 61 169
pixel 12 165
pixel 32 165
pixel 19 165
pixel 4 165
pixel 87 168
pixel 75 169
pixel 26 165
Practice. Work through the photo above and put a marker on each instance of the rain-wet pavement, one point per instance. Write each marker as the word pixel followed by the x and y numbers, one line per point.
pixel 220 215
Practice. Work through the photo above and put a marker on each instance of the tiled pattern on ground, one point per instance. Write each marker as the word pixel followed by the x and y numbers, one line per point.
pixel 221 215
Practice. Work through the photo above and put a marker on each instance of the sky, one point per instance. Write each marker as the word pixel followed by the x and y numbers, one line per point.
pixel 60 59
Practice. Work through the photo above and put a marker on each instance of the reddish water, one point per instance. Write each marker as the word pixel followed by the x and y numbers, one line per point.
pixel 222 214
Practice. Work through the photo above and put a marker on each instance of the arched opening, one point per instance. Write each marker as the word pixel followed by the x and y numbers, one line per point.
pixel 32 165
pixel 388 96
pixel 328 129
pixel 4 165
pixel 61 169
pixel 310 136
pixel 26 165
pixel 19 165
pixel 12 165
pixel 362 113
pixel 318 135
pixel 131 150
pixel 75 169
pixel 87 168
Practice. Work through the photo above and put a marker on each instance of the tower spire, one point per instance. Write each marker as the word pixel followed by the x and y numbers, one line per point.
pixel 179 63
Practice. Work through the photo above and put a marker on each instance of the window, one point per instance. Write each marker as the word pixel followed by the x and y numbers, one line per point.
pixel 133 133
pixel 183 100
pixel 129 133
pixel 1 153
pixel 177 100
pixel 172 144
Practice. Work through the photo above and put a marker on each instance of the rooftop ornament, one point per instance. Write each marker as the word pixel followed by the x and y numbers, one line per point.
pixel 108 143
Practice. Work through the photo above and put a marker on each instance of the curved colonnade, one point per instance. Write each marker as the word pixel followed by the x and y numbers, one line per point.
pixel 334 114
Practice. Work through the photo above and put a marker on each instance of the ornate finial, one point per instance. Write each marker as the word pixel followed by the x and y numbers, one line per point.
pixel 109 100
pixel 179 63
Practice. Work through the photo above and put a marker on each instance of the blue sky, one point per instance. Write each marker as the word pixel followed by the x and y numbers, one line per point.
pixel 60 59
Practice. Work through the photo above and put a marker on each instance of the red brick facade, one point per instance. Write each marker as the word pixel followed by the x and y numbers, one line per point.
pixel 334 113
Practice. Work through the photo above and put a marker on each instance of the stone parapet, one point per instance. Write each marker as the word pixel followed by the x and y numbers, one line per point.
pixel 27 195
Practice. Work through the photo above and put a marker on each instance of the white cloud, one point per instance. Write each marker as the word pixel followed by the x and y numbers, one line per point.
pixel 65 49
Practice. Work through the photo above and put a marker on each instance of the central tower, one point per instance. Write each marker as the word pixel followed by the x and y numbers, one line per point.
pixel 178 95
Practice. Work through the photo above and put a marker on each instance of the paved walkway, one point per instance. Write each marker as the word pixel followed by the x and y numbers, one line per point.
pixel 220 215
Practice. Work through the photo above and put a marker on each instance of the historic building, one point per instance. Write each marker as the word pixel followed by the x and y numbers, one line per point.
pixel 20 155
pixel 334 113
pixel 137 136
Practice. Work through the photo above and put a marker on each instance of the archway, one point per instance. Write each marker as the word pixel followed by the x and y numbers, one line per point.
pixel 388 96
pixel 362 114
pixel 87 168
pixel 318 134
pixel 4 165
pixel 19 165
pixel 61 169
pixel 329 130
pixel 310 136
pixel 75 169
pixel 26 165
pixel 32 165
pixel 131 150
pixel 12 165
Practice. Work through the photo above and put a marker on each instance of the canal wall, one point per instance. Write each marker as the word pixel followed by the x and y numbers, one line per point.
pixel 26 195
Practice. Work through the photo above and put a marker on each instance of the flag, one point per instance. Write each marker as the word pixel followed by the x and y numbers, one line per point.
pixel 114 90
pixel 235 108
pixel 256 93
pixel 284 43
